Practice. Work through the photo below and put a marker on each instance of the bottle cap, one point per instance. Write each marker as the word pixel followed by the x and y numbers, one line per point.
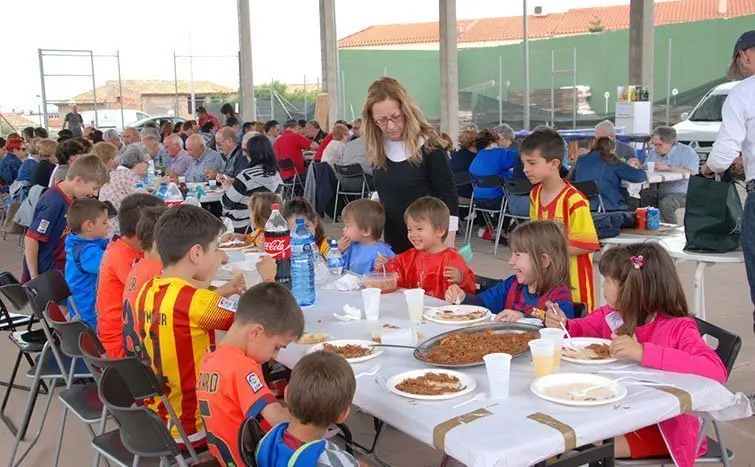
pixel 299 220
pixel 276 207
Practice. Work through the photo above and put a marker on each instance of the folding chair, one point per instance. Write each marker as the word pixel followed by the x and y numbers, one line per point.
pixel 50 287
pixel 141 433
pixel 727 350
pixel 484 283
pixel 486 181
pixel 461 180
pixel 347 172
pixel 250 435
pixel 289 186
pixel 140 380
pixel 590 190
pixel 82 400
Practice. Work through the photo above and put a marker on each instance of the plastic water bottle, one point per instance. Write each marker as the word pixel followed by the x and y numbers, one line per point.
pixel 162 191
pixel 335 260
pixel 302 265
pixel 172 195
pixel 140 188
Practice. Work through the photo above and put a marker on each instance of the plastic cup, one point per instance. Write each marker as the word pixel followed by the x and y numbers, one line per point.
pixel 400 337
pixel 213 183
pixel 542 356
pixel 557 336
pixel 371 299
pixel 650 167
pixel 498 366
pixel 415 302
pixel 182 179
pixel 252 278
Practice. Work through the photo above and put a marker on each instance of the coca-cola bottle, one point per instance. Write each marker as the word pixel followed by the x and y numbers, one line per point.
pixel 277 245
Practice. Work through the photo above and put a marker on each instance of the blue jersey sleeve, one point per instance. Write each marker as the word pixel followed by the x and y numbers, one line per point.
pixel 494 298
pixel 561 296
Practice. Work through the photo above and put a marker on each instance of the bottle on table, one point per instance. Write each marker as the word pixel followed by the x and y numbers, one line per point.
pixel 335 260
pixel 140 188
pixel 277 245
pixel 162 191
pixel 302 265
pixel 173 195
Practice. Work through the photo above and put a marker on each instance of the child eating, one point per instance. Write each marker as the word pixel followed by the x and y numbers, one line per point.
pixel 299 208
pixel 541 275
pixel 430 265
pixel 363 222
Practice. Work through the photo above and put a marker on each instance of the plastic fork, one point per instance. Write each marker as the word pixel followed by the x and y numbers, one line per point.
pixel 370 372
pixel 477 397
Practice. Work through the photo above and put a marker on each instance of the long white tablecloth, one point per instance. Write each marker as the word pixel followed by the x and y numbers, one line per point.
pixel 500 434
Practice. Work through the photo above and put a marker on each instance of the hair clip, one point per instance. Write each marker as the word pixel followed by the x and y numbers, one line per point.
pixel 637 261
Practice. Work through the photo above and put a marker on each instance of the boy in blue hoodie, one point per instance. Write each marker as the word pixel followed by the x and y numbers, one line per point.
pixel 85 245
pixel 318 395
pixel 363 223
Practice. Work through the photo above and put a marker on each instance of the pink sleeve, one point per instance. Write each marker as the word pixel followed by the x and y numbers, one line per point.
pixel 690 353
pixel 593 325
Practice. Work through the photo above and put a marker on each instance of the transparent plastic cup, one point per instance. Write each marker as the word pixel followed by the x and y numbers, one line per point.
pixel 498 366
pixel 542 356
pixel 371 299
pixel 650 167
pixel 557 336
pixel 400 337
pixel 415 302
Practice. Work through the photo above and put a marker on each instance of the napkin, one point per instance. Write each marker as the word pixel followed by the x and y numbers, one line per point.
pixel 350 314
pixel 348 282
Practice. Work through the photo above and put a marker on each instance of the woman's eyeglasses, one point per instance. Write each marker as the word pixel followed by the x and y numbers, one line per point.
pixel 395 118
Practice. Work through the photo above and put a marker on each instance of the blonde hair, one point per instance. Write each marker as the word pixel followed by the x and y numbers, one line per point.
pixel 46 148
pixel 261 206
pixel 33 144
pixel 340 131
pixel 105 151
pixel 538 238
pixel 90 169
pixel 415 125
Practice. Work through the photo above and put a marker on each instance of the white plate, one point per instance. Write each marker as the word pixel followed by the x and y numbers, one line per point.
pixel 468 382
pixel 552 387
pixel 582 342
pixel 433 314
pixel 341 342
pixel 239 266
pixel 233 248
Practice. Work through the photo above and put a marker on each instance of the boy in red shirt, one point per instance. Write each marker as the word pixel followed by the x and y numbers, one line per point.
pixel 120 256
pixel 430 265
pixel 230 386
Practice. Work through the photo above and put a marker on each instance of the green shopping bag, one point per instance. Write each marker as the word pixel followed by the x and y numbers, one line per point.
pixel 713 215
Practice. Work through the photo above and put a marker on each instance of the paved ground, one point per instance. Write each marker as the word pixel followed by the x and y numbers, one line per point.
pixel 727 306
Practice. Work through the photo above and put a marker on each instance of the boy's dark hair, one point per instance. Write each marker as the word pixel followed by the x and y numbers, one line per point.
pixel 180 228
pixel 231 121
pixel 188 125
pixel 547 141
pixel 40 132
pixel 66 149
pixel 208 126
pixel 431 209
pixel 290 124
pixel 321 389
pixel 131 210
pixel 85 143
pixel 270 124
pixel 300 207
pixel 302 123
pixel 28 132
pixel 272 306
pixel 145 228
pixel 82 210
pixel 247 126
pixel 366 214
pixel 227 109
pixel 2 142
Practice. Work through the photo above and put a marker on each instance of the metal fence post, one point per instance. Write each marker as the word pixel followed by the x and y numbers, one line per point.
pixel 120 87
pixel 668 82
pixel 44 92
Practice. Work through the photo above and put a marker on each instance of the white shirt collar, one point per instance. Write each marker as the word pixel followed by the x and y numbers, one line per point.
pixel 396 150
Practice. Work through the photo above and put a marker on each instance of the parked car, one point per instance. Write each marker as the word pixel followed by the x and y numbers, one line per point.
pixel 699 128
pixel 159 120
pixel 111 118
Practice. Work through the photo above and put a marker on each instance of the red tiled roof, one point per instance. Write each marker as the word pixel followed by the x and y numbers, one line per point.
pixel 578 21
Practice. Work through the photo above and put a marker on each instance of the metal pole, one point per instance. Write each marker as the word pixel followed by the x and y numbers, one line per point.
pixel 306 110
pixel 668 82
pixel 385 71
pixel 191 82
pixel 574 92
pixel 500 89
pixel 44 93
pixel 526 116
pixel 94 91
pixel 245 61
pixel 272 100
pixel 120 87
pixel 175 85
pixel 343 94
pixel 553 87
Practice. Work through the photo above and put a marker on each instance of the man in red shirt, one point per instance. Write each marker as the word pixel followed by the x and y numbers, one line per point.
pixel 203 116
pixel 289 145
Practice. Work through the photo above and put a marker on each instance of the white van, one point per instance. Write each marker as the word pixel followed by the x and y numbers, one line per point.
pixel 111 118
pixel 699 128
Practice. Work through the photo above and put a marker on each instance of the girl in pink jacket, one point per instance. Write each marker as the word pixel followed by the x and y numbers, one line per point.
pixel 648 320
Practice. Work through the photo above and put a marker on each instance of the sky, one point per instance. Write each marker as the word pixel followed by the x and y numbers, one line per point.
pixel 285 40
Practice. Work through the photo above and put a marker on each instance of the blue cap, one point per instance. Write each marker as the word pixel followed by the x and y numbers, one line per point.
pixel 745 41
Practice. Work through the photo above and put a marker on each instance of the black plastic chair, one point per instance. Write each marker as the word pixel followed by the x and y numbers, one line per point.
pixel 250 435
pixel 141 381
pixel 580 310
pixel 590 190
pixel 727 350
pixel 461 180
pixel 289 186
pixel 486 181
pixel 51 365
pixel 484 283
pixel 141 433
pixel 82 400
pixel 519 186
pixel 349 171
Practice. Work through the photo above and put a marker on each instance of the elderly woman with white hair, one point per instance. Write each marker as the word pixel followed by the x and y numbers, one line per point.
pixel 111 136
pixel 124 178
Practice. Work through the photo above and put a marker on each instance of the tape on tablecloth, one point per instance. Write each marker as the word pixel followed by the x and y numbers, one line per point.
pixel 685 399
pixel 441 430
pixel 570 437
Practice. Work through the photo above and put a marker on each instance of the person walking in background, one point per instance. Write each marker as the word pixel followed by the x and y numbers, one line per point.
pixel 737 136
pixel 672 156
pixel 74 121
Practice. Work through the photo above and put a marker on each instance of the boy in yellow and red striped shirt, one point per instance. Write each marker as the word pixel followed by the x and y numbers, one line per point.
pixel 555 199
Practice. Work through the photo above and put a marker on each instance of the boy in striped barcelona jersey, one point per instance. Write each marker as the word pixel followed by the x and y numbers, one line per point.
pixel 555 199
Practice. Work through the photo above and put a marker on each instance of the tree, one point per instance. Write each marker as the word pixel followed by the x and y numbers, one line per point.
pixel 596 25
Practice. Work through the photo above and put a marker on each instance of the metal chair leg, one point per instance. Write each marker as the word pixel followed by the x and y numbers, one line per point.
pixel 375 455
pixel 25 424
pixel 175 421
pixel 501 218
pixel 56 459
pixel 721 444
pixel 335 208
